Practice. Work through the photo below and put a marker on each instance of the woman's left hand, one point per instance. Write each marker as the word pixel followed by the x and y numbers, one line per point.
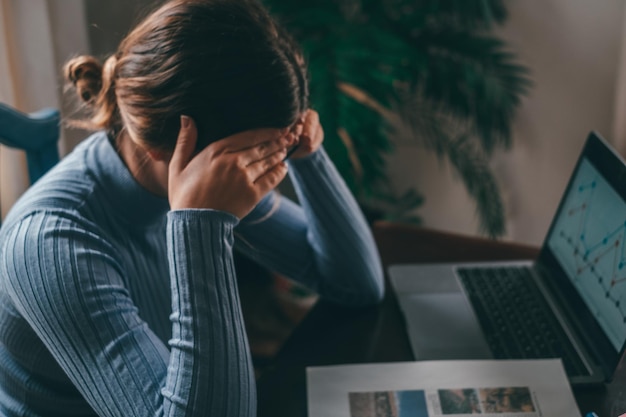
pixel 310 135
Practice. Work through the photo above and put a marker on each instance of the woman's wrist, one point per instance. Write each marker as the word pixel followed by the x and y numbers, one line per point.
pixel 196 214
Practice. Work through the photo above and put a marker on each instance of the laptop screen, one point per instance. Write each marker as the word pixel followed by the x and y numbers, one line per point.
pixel 588 240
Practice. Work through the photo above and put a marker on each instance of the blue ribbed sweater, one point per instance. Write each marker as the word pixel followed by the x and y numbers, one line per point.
pixel 113 305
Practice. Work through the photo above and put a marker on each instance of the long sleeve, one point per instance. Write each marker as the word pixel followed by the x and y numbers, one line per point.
pixel 324 243
pixel 208 341
pixel 112 305
pixel 68 282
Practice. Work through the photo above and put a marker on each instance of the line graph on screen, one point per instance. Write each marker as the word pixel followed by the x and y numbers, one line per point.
pixel 589 239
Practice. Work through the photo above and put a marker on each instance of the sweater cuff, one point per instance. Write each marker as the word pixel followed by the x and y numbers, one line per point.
pixel 203 215
pixel 316 157
pixel 197 242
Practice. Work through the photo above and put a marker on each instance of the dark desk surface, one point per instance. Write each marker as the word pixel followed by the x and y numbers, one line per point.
pixel 332 335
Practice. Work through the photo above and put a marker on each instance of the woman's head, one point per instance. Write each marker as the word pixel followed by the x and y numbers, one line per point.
pixel 225 63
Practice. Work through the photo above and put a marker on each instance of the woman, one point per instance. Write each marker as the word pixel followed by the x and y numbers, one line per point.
pixel 118 290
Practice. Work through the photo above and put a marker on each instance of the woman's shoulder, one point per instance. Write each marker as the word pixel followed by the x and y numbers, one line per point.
pixel 65 188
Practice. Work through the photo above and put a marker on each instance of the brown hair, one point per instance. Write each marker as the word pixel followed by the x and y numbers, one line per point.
pixel 225 63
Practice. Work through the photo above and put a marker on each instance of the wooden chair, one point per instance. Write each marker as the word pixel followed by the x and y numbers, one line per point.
pixel 35 133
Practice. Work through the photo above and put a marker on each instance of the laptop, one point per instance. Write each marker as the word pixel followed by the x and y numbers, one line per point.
pixel 569 303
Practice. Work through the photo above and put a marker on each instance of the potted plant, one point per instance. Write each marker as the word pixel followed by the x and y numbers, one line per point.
pixel 429 69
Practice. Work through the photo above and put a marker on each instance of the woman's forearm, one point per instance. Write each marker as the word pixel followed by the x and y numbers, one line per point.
pixel 210 364
pixel 337 229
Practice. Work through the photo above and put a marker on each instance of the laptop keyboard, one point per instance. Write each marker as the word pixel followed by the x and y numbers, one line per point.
pixel 515 318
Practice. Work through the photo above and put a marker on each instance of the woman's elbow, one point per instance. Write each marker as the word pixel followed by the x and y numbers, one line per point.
pixel 366 289
pixel 365 298
pixel 375 292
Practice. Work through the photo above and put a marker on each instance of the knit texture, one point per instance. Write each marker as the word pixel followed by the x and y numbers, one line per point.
pixel 113 305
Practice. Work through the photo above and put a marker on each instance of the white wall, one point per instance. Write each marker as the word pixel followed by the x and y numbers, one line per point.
pixel 11 186
pixel 36 37
pixel 68 23
pixel 573 49
pixel 40 36
pixel 26 30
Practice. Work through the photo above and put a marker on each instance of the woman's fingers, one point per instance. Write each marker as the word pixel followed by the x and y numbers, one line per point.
pixel 255 145
pixel 312 131
pixel 182 178
pixel 251 139
pixel 185 145
pixel 311 135
pixel 258 168
pixel 311 123
pixel 263 150
pixel 271 178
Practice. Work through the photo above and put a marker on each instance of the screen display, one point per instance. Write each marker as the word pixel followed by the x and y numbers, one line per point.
pixel 587 239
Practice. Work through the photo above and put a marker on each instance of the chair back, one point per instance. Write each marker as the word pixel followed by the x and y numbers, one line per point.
pixel 35 133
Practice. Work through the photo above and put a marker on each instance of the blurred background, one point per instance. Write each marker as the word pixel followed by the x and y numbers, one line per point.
pixel 462 115
pixel 573 51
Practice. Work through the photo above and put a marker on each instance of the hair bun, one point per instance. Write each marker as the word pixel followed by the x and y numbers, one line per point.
pixel 85 73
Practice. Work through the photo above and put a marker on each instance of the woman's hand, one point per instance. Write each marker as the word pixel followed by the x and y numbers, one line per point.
pixel 310 134
pixel 232 174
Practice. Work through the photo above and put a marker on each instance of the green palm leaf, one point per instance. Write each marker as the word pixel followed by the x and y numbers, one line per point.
pixel 427 67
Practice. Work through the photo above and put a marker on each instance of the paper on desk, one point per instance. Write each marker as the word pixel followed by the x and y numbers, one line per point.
pixel 490 388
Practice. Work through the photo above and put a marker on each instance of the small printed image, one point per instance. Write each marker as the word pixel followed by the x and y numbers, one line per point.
pixel 388 404
pixel 459 401
pixel 506 400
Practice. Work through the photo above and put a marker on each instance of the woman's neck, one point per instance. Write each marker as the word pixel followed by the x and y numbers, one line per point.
pixel 150 173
